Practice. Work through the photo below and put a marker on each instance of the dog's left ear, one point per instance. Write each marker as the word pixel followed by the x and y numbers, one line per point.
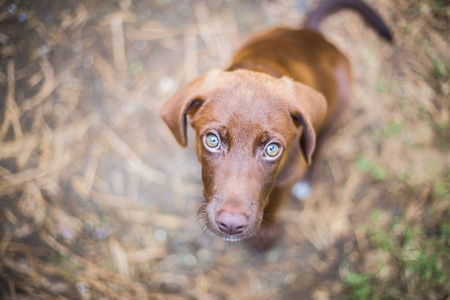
pixel 186 101
pixel 308 108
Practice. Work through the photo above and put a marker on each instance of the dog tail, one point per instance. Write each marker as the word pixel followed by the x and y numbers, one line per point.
pixel 329 7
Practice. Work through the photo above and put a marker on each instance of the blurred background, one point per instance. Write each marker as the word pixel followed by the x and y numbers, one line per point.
pixel 98 201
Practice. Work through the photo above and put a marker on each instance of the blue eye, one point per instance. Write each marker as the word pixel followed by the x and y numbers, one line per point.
pixel 272 150
pixel 212 141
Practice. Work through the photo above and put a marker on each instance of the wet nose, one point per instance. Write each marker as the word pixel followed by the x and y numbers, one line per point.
pixel 231 223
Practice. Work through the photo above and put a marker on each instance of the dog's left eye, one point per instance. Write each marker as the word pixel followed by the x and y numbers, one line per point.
pixel 272 150
pixel 212 141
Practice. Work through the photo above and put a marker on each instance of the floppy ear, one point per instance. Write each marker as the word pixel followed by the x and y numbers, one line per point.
pixel 185 101
pixel 308 108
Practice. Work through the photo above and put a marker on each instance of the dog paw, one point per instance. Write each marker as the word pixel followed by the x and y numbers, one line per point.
pixel 265 238
pixel 302 190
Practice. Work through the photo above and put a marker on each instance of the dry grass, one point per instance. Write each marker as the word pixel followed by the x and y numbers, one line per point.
pixel 97 201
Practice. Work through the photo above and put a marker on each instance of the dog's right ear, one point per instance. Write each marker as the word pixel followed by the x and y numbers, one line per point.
pixel 308 109
pixel 186 101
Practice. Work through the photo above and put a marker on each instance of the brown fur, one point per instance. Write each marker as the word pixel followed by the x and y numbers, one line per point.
pixel 286 86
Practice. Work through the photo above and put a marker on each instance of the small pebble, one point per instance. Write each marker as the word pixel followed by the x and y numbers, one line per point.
pixel 190 260
pixel 82 287
pixel 302 190
pixel 101 233
pixel 290 278
pixel 67 233
pixel 22 17
pixel 42 50
pixel 88 225
pixel 67 79
pixel 23 262
pixel 140 45
pixel 88 61
pixel 12 9
pixel 166 84
pixel 3 38
pixel 204 255
pixel 160 235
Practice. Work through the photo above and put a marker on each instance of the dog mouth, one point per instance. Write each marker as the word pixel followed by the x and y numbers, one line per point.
pixel 230 223
pixel 231 239
pixel 250 231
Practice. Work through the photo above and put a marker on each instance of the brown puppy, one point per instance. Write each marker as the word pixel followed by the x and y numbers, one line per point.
pixel 258 122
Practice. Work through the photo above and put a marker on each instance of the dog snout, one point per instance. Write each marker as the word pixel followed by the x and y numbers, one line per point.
pixel 232 223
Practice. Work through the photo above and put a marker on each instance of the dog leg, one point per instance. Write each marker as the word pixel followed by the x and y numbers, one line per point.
pixel 268 234
pixel 339 107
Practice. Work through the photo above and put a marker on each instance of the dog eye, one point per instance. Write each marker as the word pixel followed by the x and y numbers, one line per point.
pixel 212 141
pixel 272 150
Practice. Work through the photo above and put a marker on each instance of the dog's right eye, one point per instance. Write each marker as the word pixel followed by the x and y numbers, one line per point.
pixel 212 141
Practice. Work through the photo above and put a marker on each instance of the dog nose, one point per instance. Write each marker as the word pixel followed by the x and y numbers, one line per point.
pixel 231 223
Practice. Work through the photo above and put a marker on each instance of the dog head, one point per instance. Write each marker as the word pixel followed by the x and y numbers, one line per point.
pixel 245 122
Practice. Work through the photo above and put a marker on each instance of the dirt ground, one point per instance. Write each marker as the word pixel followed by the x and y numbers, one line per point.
pixel 98 201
